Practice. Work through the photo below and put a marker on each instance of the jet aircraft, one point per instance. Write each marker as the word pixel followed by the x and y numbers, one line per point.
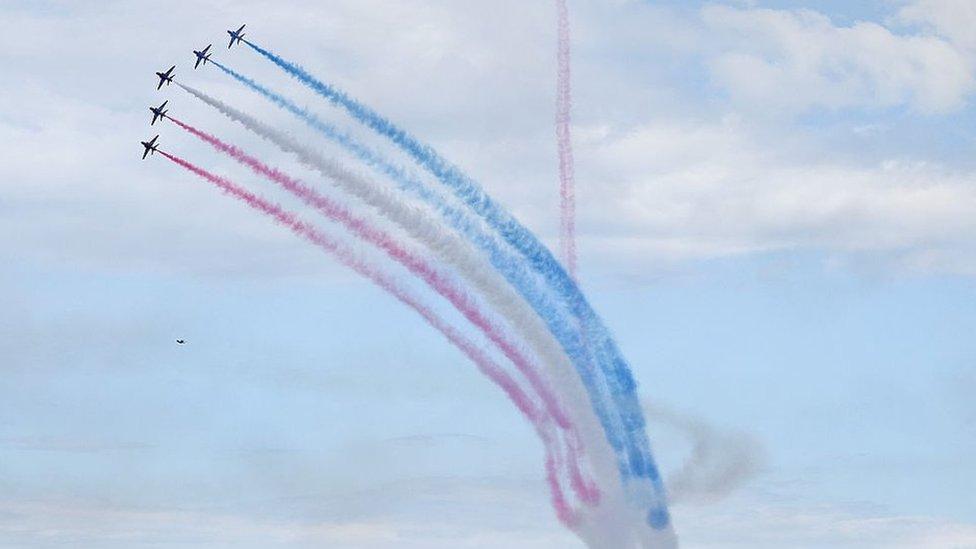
pixel 237 36
pixel 165 77
pixel 158 112
pixel 202 56
pixel 150 146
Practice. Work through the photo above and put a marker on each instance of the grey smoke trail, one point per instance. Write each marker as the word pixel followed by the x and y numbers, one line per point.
pixel 564 141
pixel 719 462
pixel 457 252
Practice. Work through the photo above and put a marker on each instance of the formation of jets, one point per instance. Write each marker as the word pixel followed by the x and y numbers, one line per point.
pixel 202 56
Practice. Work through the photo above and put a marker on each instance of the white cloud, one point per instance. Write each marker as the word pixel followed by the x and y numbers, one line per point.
pixel 661 175
pixel 456 514
pixel 696 191
pixel 761 524
pixel 793 60
pixel 423 513
pixel 954 20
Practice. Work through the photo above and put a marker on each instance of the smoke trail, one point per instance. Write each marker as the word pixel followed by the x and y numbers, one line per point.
pixel 507 264
pixel 625 433
pixel 437 280
pixel 638 470
pixel 495 290
pixel 564 105
pixel 719 461
pixel 483 362
pixel 418 224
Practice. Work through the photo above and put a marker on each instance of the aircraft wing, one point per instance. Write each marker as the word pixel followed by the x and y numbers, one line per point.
pixel 145 153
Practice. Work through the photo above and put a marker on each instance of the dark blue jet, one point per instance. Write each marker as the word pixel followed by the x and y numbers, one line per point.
pixel 202 56
pixel 237 35
pixel 150 146
pixel 158 112
pixel 165 77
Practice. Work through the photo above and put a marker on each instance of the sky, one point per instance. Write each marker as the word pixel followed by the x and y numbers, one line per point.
pixel 777 218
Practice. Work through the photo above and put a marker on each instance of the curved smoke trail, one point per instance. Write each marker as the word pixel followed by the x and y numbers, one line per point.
pixel 454 250
pixel 626 433
pixel 564 140
pixel 385 242
pixel 347 257
pixel 436 279
pixel 426 272
pixel 509 265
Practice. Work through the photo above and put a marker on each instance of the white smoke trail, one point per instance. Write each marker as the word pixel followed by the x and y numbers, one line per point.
pixel 719 462
pixel 457 252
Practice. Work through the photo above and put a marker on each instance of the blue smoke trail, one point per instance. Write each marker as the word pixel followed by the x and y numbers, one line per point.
pixel 628 438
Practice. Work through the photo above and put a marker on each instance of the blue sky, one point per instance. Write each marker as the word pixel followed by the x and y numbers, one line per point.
pixel 776 204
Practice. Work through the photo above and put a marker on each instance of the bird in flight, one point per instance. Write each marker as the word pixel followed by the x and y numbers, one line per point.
pixel 181 342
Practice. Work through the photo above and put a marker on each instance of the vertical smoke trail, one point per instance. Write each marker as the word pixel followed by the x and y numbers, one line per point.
pixel 638 470
pixel 483 362
pixel 564 141
pixel 564 105
pixel 418 224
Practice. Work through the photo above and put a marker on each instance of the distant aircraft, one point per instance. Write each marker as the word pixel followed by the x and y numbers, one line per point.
pixel 181 341
pixel 202 56
pixel 237 35
pixel 158 112
pixel 165 77
pixel 150 146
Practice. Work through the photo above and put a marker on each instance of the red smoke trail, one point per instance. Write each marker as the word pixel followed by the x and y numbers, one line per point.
pixel 567 185
pixel 484 363
pixel 567 177
pixel 417 265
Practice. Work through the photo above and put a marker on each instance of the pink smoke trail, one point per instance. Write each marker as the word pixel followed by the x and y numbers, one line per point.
pixel 417 265
pixel 567 177
pixel 483 362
